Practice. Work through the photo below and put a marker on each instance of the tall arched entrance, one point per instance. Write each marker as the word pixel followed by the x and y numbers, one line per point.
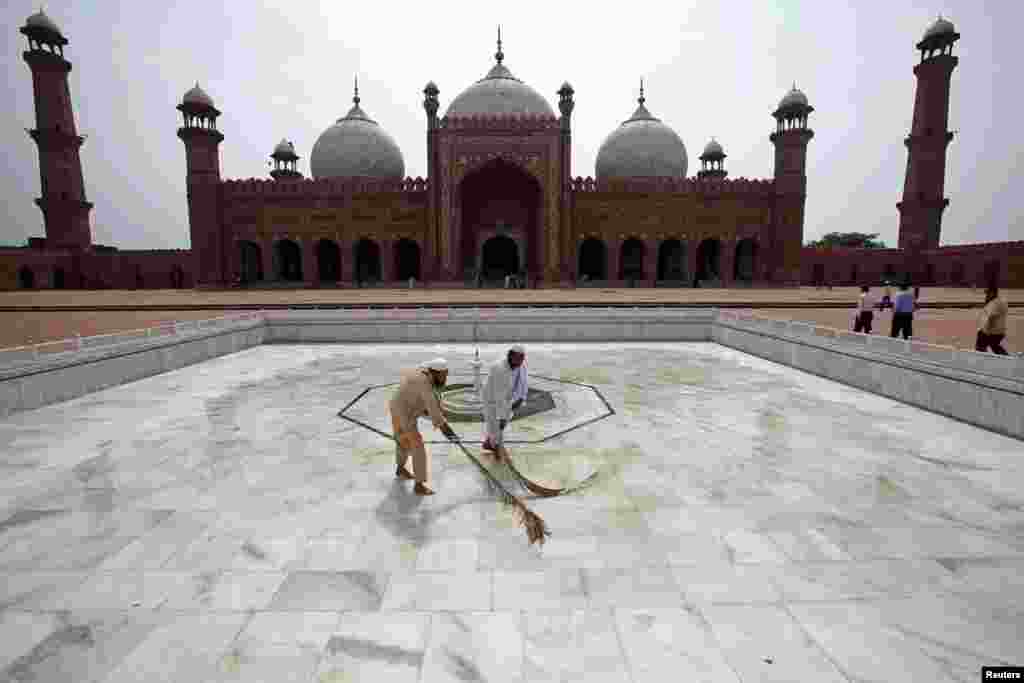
pixel 708 260
pixel 288 259
pixel 746 261
pixel 250 261
pixel 407 259
pixel 631 260
pixel 328 260
pixel 593 260
pixel 367 261
pixel 671 261
pixel 178 277
pixel 499 200
pixel 26 278
pixel 500 258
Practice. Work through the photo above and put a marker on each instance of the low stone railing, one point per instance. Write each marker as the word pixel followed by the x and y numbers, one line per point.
pixel 978 388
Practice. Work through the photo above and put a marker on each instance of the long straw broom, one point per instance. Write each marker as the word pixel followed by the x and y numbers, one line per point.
pixel 537 489
pixel 536 529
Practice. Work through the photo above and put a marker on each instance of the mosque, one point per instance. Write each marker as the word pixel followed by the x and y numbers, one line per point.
pixel 499 199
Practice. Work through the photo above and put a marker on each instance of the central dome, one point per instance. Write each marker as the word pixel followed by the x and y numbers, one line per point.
pixel 499 92
pixel 356 146
pixel 642 147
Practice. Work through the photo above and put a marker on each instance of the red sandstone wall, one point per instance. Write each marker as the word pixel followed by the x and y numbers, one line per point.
pixel 340 212
pixel 691 211
pixel 95 270
pixel 970 264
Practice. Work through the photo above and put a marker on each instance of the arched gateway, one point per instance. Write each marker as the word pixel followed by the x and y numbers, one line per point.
pixel 501 217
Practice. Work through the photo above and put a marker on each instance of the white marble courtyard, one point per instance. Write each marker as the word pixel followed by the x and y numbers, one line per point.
pixel 750 523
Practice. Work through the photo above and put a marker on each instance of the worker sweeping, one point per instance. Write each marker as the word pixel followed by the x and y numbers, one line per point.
pixel 416 397
pixel 504 391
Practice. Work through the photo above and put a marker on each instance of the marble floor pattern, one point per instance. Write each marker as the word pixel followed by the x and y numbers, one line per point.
pixel 749 523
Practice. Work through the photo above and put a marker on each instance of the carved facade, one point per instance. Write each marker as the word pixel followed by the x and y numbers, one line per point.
pixel 498 201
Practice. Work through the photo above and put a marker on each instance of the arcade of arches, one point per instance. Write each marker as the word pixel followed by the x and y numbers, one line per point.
pixel 365 263
pixel 502 252
pixel 669 261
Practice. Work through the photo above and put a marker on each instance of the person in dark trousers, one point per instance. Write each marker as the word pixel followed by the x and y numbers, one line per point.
pixel 992 325
pixel 864 313
pixel 903 313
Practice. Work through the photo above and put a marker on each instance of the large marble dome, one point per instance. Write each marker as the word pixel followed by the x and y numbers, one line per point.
pixel 499 92
pixel 356 146
pixel 642 146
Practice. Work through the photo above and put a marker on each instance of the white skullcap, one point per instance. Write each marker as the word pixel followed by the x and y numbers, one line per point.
pixel 518 348
pixel 436 364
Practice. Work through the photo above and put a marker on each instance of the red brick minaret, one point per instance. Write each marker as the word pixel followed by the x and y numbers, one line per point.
pixel 923 200
pixel 65 209
pixel 202 157
pixel 790 139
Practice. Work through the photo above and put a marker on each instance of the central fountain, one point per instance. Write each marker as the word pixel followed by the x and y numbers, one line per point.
pixel 464 402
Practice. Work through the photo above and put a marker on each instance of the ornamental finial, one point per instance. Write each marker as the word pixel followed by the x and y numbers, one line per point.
pixel 355 98
pixel 641 99
pixel 499 55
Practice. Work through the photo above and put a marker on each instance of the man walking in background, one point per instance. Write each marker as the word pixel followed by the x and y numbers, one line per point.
pixel 903 313
pixel 504 391
pixel 992 325
pixel 865 314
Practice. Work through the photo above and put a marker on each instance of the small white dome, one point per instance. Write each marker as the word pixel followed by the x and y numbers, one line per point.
pixel 355 146
pixel 284 148
pixel 794 98
pixel 642 146
pixel 713 149
pixel 939 27
pixel 39 20
pixel 197 95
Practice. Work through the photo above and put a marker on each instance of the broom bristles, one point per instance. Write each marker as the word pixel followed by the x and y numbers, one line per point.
pixel 536 529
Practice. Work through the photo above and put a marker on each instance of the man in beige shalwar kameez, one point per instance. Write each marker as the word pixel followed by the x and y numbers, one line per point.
pixel 415 398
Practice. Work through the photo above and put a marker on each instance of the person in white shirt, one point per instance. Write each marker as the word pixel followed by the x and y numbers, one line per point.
pixel 504 391
pixel 865 314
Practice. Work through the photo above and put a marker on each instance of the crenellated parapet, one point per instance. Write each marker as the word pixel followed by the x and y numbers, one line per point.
pixel 716 187
pixel 321 188
pixel 505 122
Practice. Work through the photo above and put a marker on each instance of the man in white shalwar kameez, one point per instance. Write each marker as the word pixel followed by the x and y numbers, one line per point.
pixel 504 391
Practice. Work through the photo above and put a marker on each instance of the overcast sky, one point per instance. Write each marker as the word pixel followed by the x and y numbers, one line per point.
pixel 284 69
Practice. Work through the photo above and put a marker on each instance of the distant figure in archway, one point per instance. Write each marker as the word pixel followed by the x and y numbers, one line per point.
pixel 500 258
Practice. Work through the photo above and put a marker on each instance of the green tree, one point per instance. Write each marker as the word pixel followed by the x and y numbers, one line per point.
pixel 850 240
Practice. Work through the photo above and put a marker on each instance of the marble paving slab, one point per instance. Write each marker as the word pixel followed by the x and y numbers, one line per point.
pixel 748 523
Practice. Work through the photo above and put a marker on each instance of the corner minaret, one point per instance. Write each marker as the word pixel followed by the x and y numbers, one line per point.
pixel 790 139
pixel 202 157
pixel 923 187
pixel 65 209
